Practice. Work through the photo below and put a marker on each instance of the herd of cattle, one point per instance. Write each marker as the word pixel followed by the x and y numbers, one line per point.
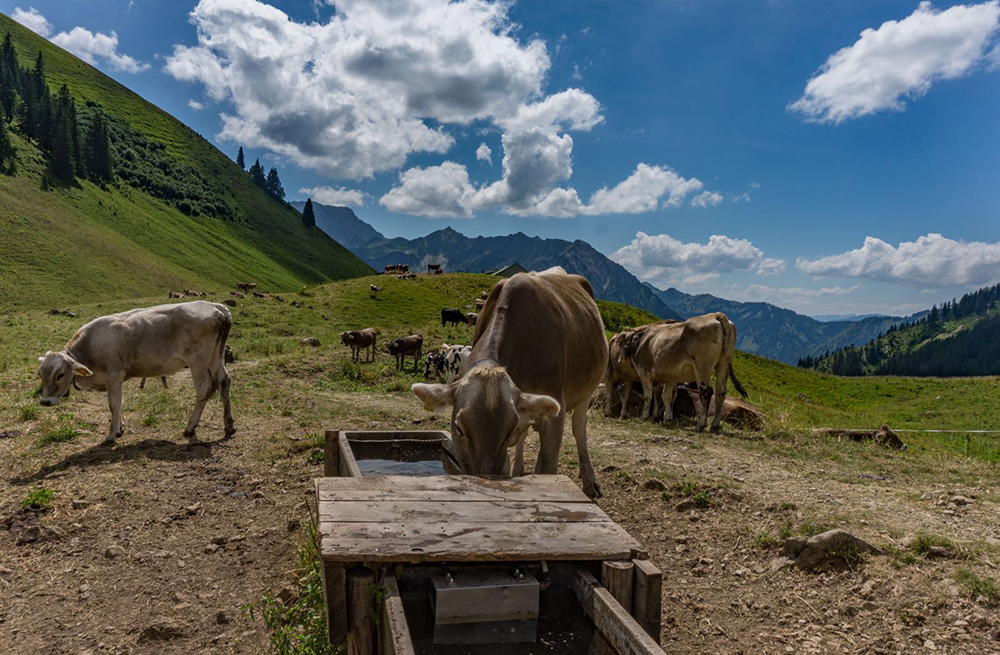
pixel 539 353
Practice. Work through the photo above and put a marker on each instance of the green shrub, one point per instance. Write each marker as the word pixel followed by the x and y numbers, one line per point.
pixel 39 498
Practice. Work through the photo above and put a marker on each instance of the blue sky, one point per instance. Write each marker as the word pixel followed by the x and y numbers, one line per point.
pixel 721 171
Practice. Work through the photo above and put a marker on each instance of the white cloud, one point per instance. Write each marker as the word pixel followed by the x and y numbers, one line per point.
pixel 195 105
pixel 483 153
pixel 931 260
pixel 33 20
pixel 663 260
pixel 95 48
pixel 900 60
pixel 802 299
pixel 771 266
pixel 707 199
pixel 392 79
pixel 337 197
pixel 642 190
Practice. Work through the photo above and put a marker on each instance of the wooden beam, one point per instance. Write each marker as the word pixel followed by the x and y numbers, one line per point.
pixel 493 511
pixel 616 576
pixel 335 599
pixel 348 465
pixel 360 612
pixel 619 629
pixel 331 454
pixel 395 633
pixel 647 597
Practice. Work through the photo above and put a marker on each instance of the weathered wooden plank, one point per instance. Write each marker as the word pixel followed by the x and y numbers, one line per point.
pixel 457 488
pixel 331 453
pixel 647 597
pixel 383 435
pixel 395 637
pixel 611 620
pixel 616 576
pixel 472 542
pixel 490 511
pixel 360 612
pixel 335 599
pixel 348 466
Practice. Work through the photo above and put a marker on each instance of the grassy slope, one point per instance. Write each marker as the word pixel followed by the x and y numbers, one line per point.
pixel 82 241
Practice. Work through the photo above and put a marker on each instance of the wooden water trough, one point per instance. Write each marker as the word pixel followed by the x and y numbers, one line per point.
pixel 421 560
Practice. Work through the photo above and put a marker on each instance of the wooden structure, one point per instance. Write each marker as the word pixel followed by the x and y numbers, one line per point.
pixel 388 531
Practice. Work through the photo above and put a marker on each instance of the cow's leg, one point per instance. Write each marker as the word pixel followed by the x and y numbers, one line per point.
pixel 518 469
pixel 669 396
pixel 225 383
pixel 550 432
pixel 205 384
pixel 164 381
pixel 647 394
pixel 587 475
pixel 721 378
pixel 626 394
pixel 142 383
pixel 703 379
pixel 115 405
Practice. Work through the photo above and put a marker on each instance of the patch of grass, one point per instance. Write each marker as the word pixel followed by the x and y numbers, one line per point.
pixel 298 627
pixel 785 531
pixel 624 477
pixel 810 528
pixel 976 586
pixel 316 456
pixel 151 421
pixel 39 498
pixel 925 543
pixel 899 558
pixel 28 412
pixel 764 540
pixel 65 429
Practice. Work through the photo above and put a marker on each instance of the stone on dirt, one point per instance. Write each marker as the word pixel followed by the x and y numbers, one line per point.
pixel 654 484
pixel 80 503
pixel 163 630
pixel 114 551
pixel 807 554
pixel 686 505
pixel 222 618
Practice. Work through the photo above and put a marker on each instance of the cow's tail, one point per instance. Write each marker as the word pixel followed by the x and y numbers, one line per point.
pixel 729 346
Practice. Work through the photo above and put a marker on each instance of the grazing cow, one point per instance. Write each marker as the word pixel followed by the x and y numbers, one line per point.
pixel 403 347
pixel 453 316
pixel 539 352
pixel 174 294
pixel 471 318
pixel 257 294
pixel 163 379
pixel 447 365
pixel 373 290
pixel 237 294
pixel 434 268
pixel 687 351
pixel 246 286
pixel 360 340
pixel 152 342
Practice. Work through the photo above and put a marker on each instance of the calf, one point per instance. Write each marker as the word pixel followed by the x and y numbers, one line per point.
pixel 360 340
pixel 453 316
pixel 246 286
pixel 447 365
pixel 471 318
pixel 152 342
pixel 403 347
pixel 539 351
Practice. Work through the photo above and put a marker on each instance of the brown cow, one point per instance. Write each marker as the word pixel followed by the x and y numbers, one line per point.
pixel 403 347
pixel 360 340
pixel 688 351
pixel 620 369
pixel 539 352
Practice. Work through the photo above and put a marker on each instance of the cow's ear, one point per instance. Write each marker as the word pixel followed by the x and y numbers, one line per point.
pixel 81 371
pixel 535 406
pixel 436 397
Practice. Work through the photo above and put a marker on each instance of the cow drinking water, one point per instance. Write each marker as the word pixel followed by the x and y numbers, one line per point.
pixel 152 342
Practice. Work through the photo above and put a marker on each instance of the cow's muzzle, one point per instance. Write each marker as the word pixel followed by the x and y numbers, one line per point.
pixel 50 402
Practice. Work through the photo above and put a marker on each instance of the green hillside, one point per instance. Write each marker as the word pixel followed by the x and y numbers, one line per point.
pixel 135 237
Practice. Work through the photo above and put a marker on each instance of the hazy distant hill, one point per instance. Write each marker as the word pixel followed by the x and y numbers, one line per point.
pixel 770 331
pixel 826 318
pixel 342 224
pixel 457 252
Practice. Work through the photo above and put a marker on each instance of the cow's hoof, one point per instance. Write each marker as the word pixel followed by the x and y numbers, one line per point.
pixel 715 429
pixel 109 442
pixel 190 434
pixel 593 491
pixel 230 431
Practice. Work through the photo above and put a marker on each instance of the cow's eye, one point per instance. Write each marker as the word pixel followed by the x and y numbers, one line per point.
pixel 60 376
pixel 458 432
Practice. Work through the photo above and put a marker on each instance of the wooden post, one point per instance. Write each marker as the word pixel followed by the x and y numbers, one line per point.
pixel 348 465
pixel 619 629
pixel 360 612
pixel 334 588
pixel 331 454
pixel 616 576
pixel 647 597
pixel 395 637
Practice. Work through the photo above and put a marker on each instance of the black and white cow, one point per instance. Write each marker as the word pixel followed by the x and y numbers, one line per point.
pixel 448 365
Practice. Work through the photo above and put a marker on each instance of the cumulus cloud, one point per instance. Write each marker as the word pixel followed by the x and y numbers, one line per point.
pixel 798 298
pixel 33 20
pixel 484 153
pixel 337 197
pixel 195 105
pixel 97 48
pixel 391 80
pixel 642 191
pixel 771 266
pixel 900 60
pixel 707 199
pixel 932 260
pixel 663 260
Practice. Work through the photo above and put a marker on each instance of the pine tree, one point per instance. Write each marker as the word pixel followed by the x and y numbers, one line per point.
pixel 240 161
pixel 7 94
pixel 274 185
pixel 308 215
pixel 257 175
pixel 97 150
pixel 6 147
pixel 60 137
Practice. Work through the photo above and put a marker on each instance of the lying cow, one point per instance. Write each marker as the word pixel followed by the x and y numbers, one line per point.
pixel 403 347
pixel 246 286
pixel 360 340
pixel 539 351
pixel 453 316
pixel 471 318
pixel 447 365
pixel 672 353
pixel 153 342
pixel 883 436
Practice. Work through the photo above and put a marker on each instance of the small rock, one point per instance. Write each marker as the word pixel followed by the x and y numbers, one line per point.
pixel 257 494
pixel 686 505
pixel 960 501
pixel 222 618
pixel 193 509
pixel 220 541
pixel 285 595
pixel 312 342
pixel 253 484
pixel 182 607
pixel 9 434
pixel 80 503
pixel 810 553
pixel 114 551
pixel 654 484
pixel 219 638
pixel 5 572
pixel 163 630
pixel 211 548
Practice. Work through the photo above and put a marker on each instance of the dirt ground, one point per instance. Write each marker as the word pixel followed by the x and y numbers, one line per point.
pixel 155 545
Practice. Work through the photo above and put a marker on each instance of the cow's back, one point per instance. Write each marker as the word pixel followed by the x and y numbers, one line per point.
pixel 546 329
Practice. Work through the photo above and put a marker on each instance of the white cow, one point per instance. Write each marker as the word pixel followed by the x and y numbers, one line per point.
pixel 152 342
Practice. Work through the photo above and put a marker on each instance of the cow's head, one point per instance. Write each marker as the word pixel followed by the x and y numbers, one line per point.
pixel 57 371
pixel 887 437
pixel 489 415
pixel 347 338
